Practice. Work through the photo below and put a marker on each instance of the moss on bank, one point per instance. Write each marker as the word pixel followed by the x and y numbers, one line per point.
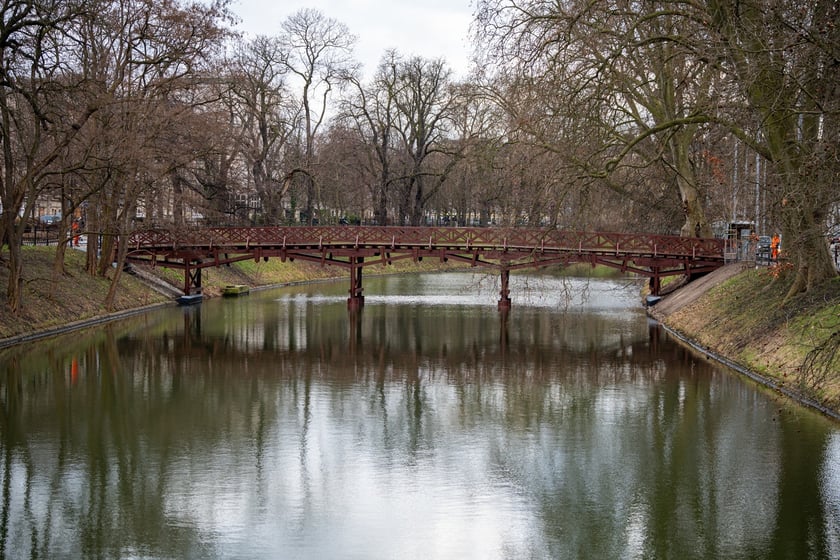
pixel 796 343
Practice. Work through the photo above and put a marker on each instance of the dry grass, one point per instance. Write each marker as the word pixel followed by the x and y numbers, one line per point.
pixel 51 300
pixel 747 320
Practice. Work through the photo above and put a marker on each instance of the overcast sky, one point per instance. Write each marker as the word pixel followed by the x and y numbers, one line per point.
pixel 427 28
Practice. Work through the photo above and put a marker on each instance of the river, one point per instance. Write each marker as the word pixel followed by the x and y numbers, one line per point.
pixel 427 426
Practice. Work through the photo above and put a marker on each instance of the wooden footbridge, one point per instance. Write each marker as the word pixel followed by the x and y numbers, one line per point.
pixel 356 247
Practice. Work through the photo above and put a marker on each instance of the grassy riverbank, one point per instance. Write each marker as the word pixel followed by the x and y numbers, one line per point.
pixel 744 318
pixel 51 300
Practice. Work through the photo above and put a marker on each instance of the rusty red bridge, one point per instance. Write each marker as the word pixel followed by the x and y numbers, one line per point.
pixel 356 247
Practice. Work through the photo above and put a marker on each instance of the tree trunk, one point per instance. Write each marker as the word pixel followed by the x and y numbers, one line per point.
pixel 3 225
pixel 121 249
pixel 177 199
pixel 679 145
pixel 695 218
pixel 14 290
pixel 61 247
pixel 806 248
pixel 93 229
pixel 309 205
pixel 106 255
pixel 380 214
pixel 92 250
pixel 108 215
pixel 417 205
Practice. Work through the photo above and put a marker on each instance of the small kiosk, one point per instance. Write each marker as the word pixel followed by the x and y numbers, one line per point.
pixel 740 242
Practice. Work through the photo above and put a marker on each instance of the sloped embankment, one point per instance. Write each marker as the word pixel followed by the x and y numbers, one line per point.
pixel 739 314
pixel 53 302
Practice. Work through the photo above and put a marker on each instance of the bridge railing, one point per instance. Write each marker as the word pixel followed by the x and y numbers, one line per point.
pixel 399 237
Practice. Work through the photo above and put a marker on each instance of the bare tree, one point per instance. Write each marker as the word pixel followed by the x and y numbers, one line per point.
pixel 144 60
pixel 261 107
pixel 371 111
pixel 318 52
pixel 606 75
pixel 649 79
pixel 34 132
pixel 208 163
pixel 346 174
pixel 424 101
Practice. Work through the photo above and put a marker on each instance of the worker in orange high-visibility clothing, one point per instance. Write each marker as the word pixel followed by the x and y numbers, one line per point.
pixel 774 246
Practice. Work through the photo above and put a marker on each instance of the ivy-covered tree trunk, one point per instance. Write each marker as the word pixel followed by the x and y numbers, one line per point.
pixel 803 242
pixel 695 224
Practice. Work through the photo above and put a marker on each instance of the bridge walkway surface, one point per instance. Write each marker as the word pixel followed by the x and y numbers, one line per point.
pixel 357 247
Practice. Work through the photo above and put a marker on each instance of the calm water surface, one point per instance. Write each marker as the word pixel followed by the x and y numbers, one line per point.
pixel 277 426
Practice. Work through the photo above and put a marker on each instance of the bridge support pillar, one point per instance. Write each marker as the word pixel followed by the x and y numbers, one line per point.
pixel 655 282
pixel 356 299
pixel 192 279
pixel 504 293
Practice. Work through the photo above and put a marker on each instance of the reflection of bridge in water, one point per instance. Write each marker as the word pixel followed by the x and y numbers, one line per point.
pixel 373 346
pixel 503 249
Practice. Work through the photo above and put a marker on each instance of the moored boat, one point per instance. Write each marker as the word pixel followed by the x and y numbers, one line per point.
pixel 190 299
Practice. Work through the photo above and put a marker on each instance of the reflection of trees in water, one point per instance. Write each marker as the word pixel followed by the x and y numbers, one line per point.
pixel 600 438
pixel 81 476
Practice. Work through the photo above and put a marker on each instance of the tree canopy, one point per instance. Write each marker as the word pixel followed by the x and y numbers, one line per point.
pixel 661 117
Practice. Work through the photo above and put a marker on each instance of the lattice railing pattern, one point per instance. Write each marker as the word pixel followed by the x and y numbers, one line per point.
pixel 451 238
